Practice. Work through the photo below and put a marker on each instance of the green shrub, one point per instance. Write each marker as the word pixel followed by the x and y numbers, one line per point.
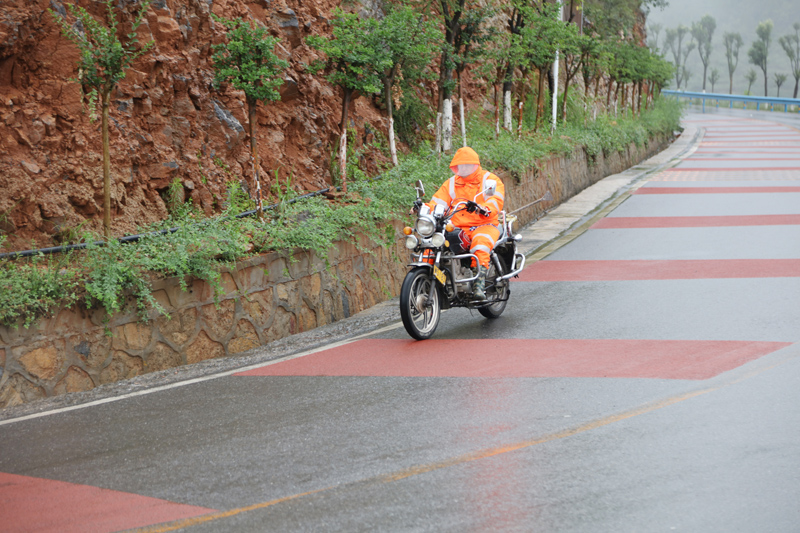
pixel 31 288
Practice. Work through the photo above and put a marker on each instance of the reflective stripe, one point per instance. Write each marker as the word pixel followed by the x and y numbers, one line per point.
pixel 440 201
pixel 500 195
pixel 482 248
pixel 493 202
pixel 452 188
pixel 487 237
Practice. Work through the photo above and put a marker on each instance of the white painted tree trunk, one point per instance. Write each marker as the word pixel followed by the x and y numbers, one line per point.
pixel 507 110
pixel 438 133
pixel 463 123
pixel 392 145
pixel 343 158
pixel 447 125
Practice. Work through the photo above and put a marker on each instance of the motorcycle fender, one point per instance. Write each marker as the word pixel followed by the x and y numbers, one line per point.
pixel 444 302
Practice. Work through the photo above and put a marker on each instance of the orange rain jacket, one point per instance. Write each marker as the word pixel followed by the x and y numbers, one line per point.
pixel 459 188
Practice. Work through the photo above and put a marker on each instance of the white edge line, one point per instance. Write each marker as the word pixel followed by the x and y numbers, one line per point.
pixel 196 380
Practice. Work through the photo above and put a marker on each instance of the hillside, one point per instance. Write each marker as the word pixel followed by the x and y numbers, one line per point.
pixel 167 122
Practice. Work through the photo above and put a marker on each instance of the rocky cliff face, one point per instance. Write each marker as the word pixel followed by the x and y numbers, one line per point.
pixel 167 121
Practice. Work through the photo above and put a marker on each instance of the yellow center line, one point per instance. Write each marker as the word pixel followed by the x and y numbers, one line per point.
pixel 465 458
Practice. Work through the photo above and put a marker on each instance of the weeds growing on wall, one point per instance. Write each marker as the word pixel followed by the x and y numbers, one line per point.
pixel 198 247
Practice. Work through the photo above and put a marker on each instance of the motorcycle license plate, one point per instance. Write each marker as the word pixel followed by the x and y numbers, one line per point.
pixel 439 274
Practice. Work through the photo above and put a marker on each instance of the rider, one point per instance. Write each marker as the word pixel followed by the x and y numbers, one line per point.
pixel 479 221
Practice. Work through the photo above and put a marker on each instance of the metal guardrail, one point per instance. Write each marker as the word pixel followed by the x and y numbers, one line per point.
pixel 758 100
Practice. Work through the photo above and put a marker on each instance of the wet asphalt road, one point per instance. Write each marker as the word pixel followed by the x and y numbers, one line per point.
pixel 644 377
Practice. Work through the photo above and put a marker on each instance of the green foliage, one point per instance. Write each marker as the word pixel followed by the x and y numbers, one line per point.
pixel 355 55
pixel 236 198
pixel 412 119
pixel 31 288
pixel 604 135
pixel 248 61
pixel 104 58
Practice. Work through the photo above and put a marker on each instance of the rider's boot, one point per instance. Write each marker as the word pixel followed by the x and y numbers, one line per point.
pixel 479 284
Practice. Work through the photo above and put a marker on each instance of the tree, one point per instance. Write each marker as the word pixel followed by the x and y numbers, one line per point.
pixel 469 47
pixel 703 33
pixel 751 78
pixel 733 42
pixel 673 39
pixel 104 60
pixel 713 78
pixel 248 62
pixel 791 45
pixel 780 79
pixel 661 71
pixel 355 59
pixel 572 47
pixel 512 55
pixel 653 30
pixel 408 42
pixel 462 25
pixel 759 50
pixel 542 36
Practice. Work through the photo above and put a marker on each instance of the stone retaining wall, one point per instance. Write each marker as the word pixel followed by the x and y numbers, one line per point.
pixel 266 298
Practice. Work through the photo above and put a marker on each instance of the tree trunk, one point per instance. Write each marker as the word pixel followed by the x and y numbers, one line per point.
pixel 104 96
pixel 461 112
pixel 439 133
pixel 597 84
pixel 521 105
pixel 796 83
pixel 447 124
pixel 343 138
pixel 624 95
pixel 766 82
pixel 251 118
pixel 387 84
pixel 564 103
pixel 705 68
pixel 639 98
pixel 540 98
pixel 608 94
pixel 496 111
pixel 463 123
pixel 730 90
pixel 507 86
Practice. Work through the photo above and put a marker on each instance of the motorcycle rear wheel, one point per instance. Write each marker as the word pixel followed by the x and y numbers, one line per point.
pixel 495 290
pixel 420 316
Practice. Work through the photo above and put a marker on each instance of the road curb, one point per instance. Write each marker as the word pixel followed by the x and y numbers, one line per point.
pixel 544 236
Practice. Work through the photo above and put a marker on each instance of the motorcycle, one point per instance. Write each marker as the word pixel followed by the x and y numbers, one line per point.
pixel 441 275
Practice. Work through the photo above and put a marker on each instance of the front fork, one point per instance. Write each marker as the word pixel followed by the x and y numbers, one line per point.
pixel 433 278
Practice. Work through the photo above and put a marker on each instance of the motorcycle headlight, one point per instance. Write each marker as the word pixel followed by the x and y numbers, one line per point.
pixel 411 242
pixel 437 240
pixel 425 226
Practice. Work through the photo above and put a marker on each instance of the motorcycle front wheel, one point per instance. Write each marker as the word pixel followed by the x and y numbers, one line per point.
pixel 419 306
pixel 496 291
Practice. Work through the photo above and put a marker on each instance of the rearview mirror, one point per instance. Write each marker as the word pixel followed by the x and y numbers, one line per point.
pixel 420 189
pixel 491 187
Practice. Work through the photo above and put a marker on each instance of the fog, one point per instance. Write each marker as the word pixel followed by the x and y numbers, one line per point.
pixel 740 16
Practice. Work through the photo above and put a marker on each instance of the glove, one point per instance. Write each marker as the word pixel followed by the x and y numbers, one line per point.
pixel 472 207
pixel 484 211
pixel 417 205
